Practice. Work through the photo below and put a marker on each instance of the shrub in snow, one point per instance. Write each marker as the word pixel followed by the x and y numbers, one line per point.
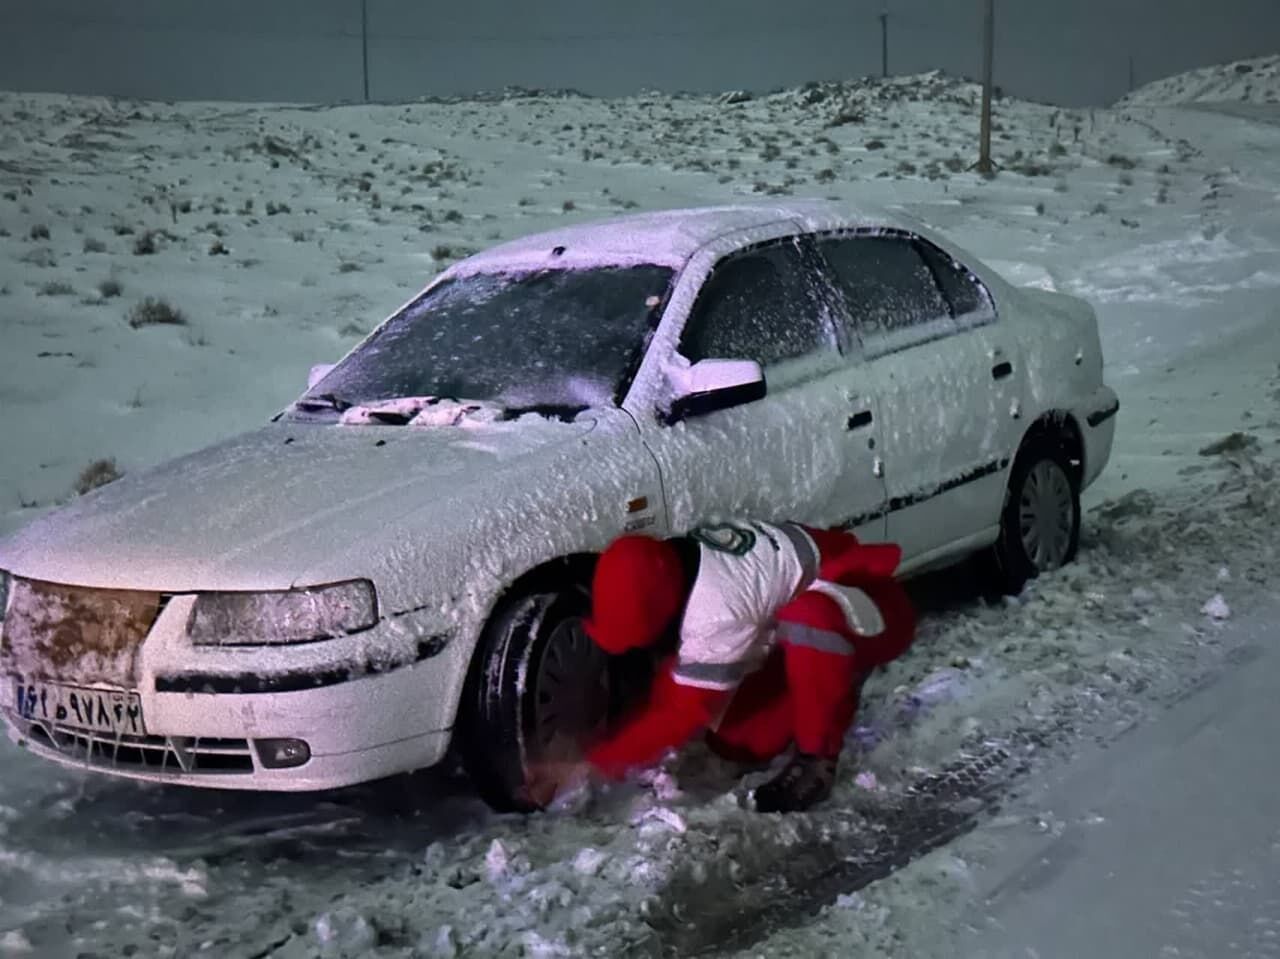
pixel 92 245
pixel 110 287
pixel 145 243
pixel 42 257
pixel 56 288
pixel 39 232
pixel 1031 168
pixel 98 473
pixel 155 312
pixel 1236 442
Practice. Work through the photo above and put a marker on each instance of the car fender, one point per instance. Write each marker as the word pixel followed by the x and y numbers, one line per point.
pixel 573 502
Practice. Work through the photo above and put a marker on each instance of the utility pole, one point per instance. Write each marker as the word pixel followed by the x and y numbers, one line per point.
pixel 988 54
pixel 364 45
pixel 884 44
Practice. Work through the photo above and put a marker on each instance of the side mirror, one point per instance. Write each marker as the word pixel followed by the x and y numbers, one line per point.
pixel 319 372
pixel 711 385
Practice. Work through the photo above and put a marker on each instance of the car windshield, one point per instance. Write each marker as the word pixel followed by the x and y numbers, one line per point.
pixel 555 341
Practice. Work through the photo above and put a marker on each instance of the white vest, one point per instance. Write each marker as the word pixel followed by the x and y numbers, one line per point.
pixel 747 571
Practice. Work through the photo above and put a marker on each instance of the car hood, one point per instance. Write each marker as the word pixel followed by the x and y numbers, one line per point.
pixel 289 504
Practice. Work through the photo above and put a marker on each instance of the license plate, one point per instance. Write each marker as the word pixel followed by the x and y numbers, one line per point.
pixel 108 711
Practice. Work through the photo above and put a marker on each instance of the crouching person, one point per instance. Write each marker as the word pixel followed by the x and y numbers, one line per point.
pixel 775 628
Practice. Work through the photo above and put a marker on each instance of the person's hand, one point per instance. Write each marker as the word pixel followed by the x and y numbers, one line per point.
pixel 559 769
pixel 548 780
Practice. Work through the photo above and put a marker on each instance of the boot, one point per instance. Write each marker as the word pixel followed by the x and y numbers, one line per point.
pixel 804 781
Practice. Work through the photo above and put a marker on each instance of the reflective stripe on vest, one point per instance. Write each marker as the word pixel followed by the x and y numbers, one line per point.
pixel 861 614
pixel 824 640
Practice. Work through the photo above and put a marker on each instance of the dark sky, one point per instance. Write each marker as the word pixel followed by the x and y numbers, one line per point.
pixel 1067 51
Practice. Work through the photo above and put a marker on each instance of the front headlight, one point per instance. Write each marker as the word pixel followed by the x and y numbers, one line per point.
pixel 288 616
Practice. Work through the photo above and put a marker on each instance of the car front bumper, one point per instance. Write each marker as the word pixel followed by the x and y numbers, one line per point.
pixel 208 724
pixel 354 732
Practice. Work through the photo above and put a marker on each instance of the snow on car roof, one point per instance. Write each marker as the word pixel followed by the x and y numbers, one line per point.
pixel 665 237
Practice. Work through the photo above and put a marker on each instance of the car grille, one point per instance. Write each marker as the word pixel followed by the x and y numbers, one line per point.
pixel 77 634
pixel 178 754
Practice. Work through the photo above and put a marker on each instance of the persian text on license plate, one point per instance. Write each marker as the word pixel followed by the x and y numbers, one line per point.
pixel 106 711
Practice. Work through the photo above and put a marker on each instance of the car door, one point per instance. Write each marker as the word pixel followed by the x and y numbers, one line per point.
pixel 949 384
pixel 802 451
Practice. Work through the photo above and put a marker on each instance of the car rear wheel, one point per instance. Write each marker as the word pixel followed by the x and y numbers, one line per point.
pixel 536 677
pixel 1040 523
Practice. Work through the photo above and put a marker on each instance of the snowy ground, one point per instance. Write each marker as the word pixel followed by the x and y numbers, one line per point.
pixel 1246 81
pixel 1163 217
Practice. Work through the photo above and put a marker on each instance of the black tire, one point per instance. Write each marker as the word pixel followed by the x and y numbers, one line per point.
pixel 534 674
pixel 1040 521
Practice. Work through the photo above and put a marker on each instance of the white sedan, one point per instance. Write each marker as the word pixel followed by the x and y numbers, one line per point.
pixel 396 563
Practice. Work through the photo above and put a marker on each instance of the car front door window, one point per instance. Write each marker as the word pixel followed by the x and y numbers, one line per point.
pixel 800 452
pixel 762 305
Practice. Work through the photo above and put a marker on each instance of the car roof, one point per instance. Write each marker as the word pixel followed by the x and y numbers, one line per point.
pixel 665 237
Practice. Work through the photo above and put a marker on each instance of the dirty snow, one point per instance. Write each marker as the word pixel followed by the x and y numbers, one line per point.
pixel 330 218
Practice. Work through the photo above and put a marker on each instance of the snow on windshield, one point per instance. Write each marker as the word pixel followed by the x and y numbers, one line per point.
pixel 546 338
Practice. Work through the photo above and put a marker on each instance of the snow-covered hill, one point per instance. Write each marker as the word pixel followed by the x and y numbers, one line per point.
pixel 281 234
pixel 1245 81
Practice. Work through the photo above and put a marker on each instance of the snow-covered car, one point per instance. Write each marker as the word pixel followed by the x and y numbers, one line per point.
pixel 398 561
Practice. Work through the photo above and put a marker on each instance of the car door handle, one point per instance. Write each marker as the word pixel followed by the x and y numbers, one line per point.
pixel 1001 370
pixel 858 420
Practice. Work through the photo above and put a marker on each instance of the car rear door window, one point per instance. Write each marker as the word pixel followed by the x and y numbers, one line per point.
pixel 970 302
pixel 892 296
pixel 760 305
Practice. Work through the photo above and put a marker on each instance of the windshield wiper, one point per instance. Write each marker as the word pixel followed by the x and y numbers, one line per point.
pixel 324 401
pixel 557 411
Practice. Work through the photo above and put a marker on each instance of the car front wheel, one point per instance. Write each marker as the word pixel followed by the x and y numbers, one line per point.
pixel 536 677
pixel 1040 523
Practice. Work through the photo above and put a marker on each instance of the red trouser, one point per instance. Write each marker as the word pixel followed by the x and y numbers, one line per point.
pixel 807 690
